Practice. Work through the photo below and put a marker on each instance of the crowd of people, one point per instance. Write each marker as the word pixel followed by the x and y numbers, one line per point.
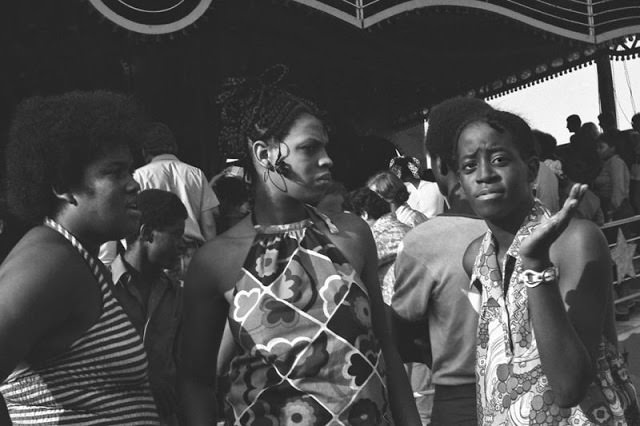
pixel 273 295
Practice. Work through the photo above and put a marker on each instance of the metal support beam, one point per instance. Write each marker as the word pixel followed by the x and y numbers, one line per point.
pixel 605 83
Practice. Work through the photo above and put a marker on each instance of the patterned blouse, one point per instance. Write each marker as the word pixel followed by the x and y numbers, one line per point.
pixel 512 388
pixel 388 233
pixel 301 320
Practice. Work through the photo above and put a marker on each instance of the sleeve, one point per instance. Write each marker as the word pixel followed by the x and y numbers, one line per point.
pixel 433 200
pixel 209 198
pixel 142 179
pixel 618 185
pixel 413 286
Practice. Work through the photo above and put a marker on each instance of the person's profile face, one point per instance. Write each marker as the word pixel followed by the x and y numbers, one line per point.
pixel 493 175
pixel 167 245
pixel 107 197
pixel 604 150
pixel 306 144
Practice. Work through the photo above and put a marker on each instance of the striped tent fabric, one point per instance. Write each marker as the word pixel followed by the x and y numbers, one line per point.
pixel 101 378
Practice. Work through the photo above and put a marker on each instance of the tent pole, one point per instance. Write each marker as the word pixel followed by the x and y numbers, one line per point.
pixel 605 83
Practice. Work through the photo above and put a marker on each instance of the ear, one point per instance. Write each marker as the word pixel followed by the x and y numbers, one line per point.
pixel 146 233
pixel 533 164
pixel 64 196
pixel 260 151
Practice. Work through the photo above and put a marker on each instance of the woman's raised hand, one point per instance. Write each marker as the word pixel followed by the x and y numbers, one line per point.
pixel 535 249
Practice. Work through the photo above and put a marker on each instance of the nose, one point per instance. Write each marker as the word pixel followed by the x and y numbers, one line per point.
pixel 325 160
pixel 485 172
pixel 132 185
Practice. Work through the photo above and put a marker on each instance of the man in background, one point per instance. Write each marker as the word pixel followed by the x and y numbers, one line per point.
pixel 431 284
pixel 165 171
pixel 150 297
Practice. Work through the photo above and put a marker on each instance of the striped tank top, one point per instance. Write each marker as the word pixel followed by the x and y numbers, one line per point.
pixel 100 379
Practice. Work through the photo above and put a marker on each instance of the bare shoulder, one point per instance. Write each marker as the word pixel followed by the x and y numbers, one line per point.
pixel 352 225
pixel 354 239
pixel 216 265
pixel 42 262
pixel 582 240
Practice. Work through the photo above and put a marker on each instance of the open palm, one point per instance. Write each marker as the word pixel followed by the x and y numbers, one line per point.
pixel 538 243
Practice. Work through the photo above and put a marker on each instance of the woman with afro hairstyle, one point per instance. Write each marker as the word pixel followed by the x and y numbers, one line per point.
pixel 299 290
pixel 70 354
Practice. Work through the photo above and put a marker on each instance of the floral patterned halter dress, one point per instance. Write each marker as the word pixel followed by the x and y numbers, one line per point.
pixel 301 320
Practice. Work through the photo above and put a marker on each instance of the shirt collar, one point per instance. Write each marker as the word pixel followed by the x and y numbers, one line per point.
pixel 119 268
pixel 488 248
pixel 164 157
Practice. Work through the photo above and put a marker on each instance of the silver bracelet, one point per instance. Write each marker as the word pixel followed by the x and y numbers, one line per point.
pixel 533 279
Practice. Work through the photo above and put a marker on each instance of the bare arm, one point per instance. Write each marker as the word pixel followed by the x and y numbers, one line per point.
pixel 25 290
pixel 203 323
pixel 568 314
pixel 401 398
pixel 207 224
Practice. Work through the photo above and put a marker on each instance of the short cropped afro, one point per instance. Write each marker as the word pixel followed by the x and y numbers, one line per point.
pixel 444 120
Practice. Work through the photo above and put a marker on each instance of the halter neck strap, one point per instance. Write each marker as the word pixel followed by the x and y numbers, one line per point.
pixel 94 264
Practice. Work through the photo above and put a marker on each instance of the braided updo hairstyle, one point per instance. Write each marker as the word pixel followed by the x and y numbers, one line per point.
pixel 257 109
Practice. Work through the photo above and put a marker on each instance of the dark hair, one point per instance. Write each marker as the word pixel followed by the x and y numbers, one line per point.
pixel 545 143
pixel 159 209
pixel 53 140
pixel 231 190
pixel 607 120
pixel 258 109
pixel 365 200
pixel 574 118
pixel 503 122
pixel 613 139
pixel 389 187
pixel 444 120
pixel 158 139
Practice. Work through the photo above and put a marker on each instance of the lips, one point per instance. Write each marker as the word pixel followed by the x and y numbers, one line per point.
pixel 324 178
pixel 489 194
pixel 132 206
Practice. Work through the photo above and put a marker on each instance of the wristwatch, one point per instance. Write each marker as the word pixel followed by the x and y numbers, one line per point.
pixel 533 279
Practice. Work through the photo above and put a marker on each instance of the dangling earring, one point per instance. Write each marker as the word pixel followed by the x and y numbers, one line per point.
pixel 267 175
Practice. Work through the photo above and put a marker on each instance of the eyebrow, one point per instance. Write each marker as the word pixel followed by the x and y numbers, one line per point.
pixel 314 141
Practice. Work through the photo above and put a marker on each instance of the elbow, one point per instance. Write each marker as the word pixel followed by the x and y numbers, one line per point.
pixel 572 392
pixel 568 399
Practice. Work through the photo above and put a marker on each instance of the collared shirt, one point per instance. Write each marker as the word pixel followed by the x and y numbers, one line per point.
pixel 157 320
pixel 189 183
pixel 426 198
pixel 512 387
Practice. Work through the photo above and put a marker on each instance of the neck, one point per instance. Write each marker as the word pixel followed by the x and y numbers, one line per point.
pixel 136 258
pixel 89 241
pixel 277 209
pixel 505 229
